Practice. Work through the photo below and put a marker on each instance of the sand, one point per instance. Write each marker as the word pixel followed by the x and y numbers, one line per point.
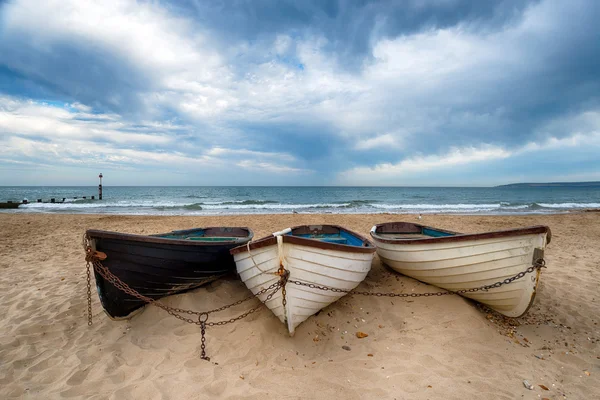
pixel 424 348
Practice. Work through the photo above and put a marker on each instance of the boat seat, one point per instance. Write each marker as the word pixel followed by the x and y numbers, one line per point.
pixel 338 240
pixel 403 236
pixel 210 238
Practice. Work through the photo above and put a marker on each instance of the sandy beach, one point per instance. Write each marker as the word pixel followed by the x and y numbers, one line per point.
pixel 423 348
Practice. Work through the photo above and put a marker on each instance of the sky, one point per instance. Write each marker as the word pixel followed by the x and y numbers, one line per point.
pixel 255 92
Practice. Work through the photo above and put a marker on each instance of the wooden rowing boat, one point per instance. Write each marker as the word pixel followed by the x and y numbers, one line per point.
pixel 160 265
pixel 324 255
pixel 456 261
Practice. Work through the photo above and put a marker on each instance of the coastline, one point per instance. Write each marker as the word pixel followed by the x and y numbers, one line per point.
pixel 211 201
pixel 423 348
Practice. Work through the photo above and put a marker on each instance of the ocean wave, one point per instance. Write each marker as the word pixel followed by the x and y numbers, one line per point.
pixel 356 203
pixel 270 206
pixel 193 207
pixel 88 203
pixel 248 202
pixel 438 206
pixel 517 207
pixel 570 205
pixel 182 207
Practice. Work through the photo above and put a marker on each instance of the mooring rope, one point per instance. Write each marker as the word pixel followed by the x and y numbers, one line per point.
pixel 279 236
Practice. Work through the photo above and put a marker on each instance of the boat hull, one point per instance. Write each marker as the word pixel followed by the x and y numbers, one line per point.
pixel 308 261
pixel 459 262
pixel 156 267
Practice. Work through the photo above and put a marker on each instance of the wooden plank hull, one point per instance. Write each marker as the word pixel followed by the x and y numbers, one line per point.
pixel 157 267
pixel 307 260
pixel 456 261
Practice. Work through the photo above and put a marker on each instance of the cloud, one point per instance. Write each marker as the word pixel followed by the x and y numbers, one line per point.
pixel 121 55
pixel 69 135
pixel 386 140
pixel 268 167
pixel 220 151
pixel 419 164
pixel 290 87
pixel 51 123
pixel 583 140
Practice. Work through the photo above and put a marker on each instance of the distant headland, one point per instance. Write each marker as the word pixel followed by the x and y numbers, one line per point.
pixel 554 184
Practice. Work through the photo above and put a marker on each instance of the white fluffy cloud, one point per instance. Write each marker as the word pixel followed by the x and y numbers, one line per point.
pixel 33 132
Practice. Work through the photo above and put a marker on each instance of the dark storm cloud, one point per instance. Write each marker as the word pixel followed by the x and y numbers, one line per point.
pixel 71 71
pixel 350 26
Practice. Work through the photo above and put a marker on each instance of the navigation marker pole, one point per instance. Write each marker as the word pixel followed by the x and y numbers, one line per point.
pixel 100 187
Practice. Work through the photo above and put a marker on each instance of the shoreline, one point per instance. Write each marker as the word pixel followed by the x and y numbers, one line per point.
pixel 426 348
pixel 410 214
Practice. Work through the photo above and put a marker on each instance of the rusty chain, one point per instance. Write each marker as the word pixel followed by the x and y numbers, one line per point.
pixel 89 294
pixel 539 263
pixel 203 341
pixel 91 258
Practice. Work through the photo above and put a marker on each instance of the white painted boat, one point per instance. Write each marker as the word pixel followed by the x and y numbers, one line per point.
pixel 324 255
pixel 456 261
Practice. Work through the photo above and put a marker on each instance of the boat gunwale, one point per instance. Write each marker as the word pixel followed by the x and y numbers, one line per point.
pixel 456 236
pixel 272 240
pixel 102 234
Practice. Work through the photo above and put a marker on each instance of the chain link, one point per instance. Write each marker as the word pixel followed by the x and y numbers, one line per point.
pixel 539 263
pixel 203 341
pixel 285 274
pixel 89 294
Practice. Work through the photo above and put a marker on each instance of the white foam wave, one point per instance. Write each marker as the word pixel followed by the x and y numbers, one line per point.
pixel 99 204
pixel 570 205
pixel 438 206
pixel 216 207
pixel 521 207
pixel 271 206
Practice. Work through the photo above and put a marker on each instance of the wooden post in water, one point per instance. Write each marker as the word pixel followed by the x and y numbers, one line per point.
pixel 100 187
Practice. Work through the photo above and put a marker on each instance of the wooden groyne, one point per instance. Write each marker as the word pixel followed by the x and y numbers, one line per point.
pixel 16 204
pixel 9 204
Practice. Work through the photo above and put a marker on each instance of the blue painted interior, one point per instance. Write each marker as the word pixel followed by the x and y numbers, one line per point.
pixel 187 234
pixel 434 233
pixel 196 235
pixel 342 237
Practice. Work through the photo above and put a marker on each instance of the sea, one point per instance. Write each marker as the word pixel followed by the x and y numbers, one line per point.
pixel 229 200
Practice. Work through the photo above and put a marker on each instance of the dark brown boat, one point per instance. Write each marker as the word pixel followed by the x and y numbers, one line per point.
pixel 161 265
